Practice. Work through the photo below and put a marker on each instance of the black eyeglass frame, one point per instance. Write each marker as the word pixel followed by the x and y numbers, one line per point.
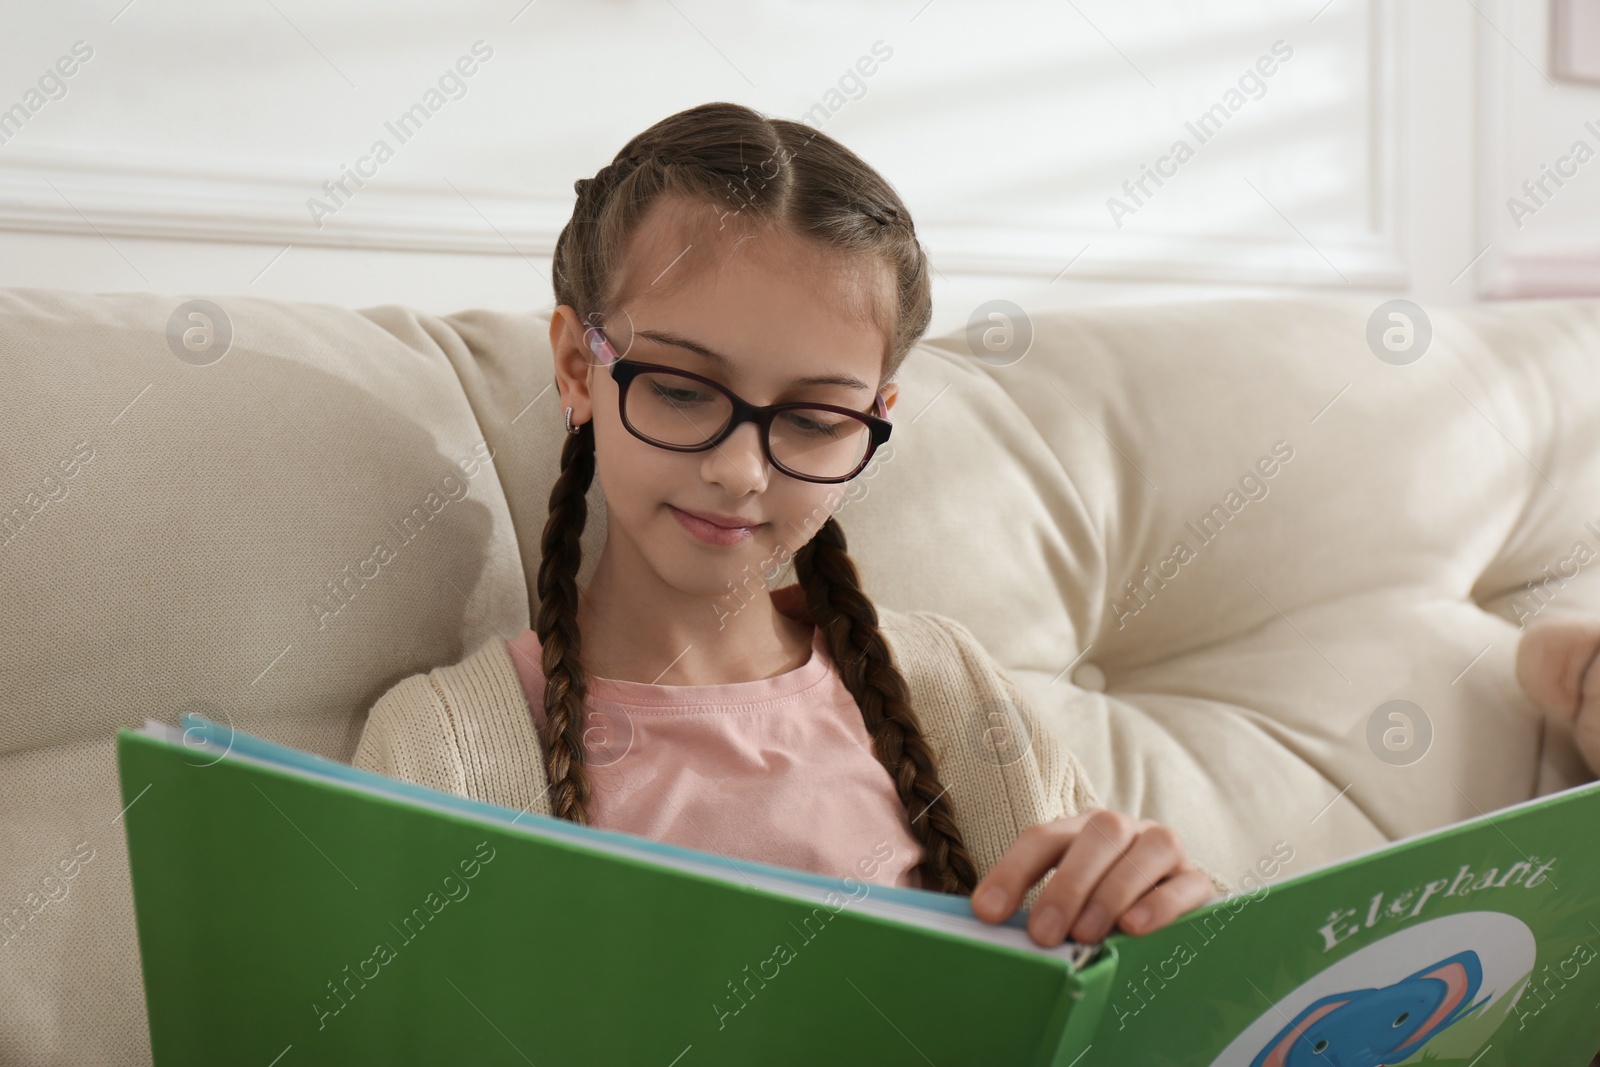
pixel 625 369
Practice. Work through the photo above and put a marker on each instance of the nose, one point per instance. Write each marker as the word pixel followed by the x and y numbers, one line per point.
pixel 738 463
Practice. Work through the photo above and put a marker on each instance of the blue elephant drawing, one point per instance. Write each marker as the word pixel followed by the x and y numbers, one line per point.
pixel 1376 1027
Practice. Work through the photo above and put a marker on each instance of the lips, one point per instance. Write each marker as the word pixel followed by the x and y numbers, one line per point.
pixel 727 522
pixel 714 529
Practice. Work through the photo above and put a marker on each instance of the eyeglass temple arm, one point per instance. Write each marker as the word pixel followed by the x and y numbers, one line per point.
pixel 600 345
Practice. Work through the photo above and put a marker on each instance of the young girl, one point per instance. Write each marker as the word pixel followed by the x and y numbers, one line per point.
pixel 734 295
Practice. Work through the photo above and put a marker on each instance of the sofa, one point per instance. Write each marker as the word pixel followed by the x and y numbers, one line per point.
pixel 1263 570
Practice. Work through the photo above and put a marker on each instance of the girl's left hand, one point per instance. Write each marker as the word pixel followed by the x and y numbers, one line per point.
pixel 1109 866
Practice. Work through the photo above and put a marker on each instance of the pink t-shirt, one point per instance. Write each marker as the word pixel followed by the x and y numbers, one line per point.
pixel 778 770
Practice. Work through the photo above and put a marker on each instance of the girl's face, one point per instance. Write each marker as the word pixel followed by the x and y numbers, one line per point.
pixel 758 310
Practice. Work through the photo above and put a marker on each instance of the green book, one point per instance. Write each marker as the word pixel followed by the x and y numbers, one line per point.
pixel 295 910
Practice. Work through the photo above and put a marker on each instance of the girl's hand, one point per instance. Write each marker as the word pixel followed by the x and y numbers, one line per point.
pixel 1558 666
pixel 1109 867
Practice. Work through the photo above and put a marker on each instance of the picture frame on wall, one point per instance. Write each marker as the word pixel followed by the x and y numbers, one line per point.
pixel 1575 40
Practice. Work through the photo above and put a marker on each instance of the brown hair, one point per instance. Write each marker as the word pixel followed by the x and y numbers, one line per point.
pixel 765 171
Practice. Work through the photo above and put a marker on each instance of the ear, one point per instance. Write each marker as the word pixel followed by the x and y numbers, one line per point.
pixel 1461 975
pixel 890 392
pixel 569 350
pixel 1276 1054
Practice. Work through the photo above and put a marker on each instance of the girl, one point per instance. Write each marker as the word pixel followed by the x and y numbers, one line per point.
pixel 734 294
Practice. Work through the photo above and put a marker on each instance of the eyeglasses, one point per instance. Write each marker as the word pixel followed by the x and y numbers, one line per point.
pixel 684 412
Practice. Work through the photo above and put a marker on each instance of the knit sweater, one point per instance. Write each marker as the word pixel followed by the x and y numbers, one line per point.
pixel 467 729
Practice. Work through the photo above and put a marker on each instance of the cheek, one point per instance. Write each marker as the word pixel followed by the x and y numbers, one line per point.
pixel 800 512
pixel 638 478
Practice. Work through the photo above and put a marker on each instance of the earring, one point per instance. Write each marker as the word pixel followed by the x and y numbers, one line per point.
pixel 571 428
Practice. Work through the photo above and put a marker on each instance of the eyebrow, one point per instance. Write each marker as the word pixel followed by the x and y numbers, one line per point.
pixel 725 363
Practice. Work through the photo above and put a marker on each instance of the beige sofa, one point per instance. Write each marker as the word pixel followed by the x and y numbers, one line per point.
pixel 185 531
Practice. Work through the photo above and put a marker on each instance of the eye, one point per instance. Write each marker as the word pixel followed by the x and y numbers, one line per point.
pixel 816 422
pixel 1403 1017
pixel 1320 1045
pixel 676 394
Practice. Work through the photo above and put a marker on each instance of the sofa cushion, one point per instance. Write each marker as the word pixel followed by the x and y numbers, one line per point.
pixel 272 538
pixel 1246 535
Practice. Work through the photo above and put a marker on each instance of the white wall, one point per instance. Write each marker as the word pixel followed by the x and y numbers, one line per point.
pixel 1376 158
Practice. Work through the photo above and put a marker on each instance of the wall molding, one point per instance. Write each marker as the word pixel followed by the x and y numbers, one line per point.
pixel 1045 254
pixel 82 192
pixel 78 191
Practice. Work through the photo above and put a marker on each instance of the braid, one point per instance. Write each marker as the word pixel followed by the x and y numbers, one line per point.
pixel 608 177
pixel 836 602
pixel 557 626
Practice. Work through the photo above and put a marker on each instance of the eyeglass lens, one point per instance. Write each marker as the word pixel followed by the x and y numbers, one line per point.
pixel 814 442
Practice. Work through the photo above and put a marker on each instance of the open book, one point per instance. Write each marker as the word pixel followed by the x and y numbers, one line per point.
pixel 294 910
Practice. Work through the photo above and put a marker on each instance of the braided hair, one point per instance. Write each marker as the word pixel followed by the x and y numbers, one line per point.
pixel 733 158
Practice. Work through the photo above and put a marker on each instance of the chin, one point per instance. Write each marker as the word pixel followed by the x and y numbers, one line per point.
pixel 728 584
pixel 699 569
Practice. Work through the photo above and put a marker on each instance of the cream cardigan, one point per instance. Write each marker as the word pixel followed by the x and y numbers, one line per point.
pixel 466 729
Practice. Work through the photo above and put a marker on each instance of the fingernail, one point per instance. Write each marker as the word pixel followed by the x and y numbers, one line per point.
pixel 992 900
pixel 1091 921
pixel 1049 924
pixel 1136 917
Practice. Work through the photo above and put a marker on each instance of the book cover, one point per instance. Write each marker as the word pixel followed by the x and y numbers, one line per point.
pixel 294 910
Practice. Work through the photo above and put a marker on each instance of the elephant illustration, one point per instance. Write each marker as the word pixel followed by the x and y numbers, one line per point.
pixel 1377 1027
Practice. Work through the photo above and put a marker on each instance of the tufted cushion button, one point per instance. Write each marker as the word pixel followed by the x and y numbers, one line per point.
pixel 1089 676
